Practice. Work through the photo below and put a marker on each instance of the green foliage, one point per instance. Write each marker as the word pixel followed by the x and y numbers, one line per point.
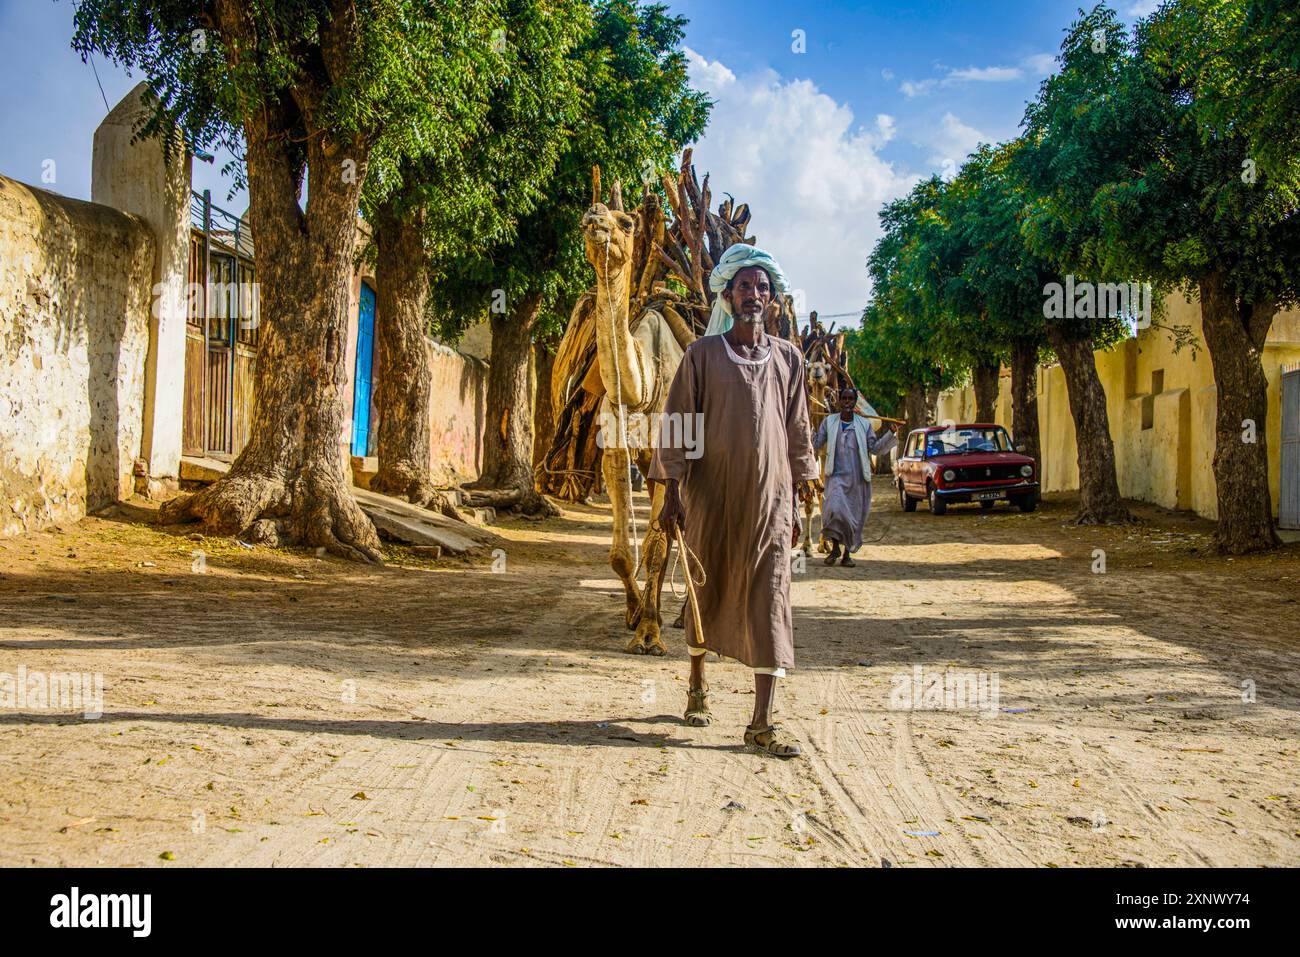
pixel 636 112
pixel 1136 171
pixel 412 73
pixel 922 323
pixel 896 348
pixel 472 192
pixel 881 365
pixel 999 271
pixel 1241 60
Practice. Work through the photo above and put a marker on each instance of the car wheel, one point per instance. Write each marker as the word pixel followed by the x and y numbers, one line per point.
pixel 1028 503
pixel 937 505
pixel 987 505
pixel 906 501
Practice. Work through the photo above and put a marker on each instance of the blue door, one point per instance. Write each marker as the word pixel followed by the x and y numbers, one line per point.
pixel 365 362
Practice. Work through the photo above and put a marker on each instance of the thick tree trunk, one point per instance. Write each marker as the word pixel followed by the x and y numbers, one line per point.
pixel 985 380
pixel 1235 334
pixel 1024 398
pixel 543 412
pixel 290 485
pixel 508 444
pixel 405 387
pixel 1099 498
pixel 914 409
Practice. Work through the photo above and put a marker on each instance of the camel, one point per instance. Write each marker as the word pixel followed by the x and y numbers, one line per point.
pixel 819 375
pixel 636 361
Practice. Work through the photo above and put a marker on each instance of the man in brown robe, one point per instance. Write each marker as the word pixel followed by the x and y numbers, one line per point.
pixel 736 502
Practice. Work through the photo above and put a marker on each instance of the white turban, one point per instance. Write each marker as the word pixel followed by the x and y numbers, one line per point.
pixel 738 257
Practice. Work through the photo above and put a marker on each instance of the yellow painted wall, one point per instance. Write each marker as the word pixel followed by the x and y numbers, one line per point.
pixel 1164 439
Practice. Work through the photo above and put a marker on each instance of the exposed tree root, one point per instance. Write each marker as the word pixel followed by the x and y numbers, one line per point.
pixel 1121 516
pixel 414 487
pixel 526 501
pixel 312 510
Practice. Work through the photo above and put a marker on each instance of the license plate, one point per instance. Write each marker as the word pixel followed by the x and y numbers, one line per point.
pixel 985 496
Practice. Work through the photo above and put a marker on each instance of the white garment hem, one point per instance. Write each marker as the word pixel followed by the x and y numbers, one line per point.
pixel 774 672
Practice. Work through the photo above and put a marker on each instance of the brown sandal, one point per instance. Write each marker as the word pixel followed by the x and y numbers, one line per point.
pixel 765 740
pixel 697 708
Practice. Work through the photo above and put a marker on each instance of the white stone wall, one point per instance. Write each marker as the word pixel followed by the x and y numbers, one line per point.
pixel 135 176
pixel 75 282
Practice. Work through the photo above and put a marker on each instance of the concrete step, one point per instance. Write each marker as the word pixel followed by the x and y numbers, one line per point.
pixel 202 469
pixel 364 469
pixel 479 516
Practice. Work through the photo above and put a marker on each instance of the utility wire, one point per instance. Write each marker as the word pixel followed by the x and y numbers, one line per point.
pixel 100 85
pixel 834 315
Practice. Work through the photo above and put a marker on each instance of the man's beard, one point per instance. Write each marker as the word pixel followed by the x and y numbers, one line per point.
pixel 752 320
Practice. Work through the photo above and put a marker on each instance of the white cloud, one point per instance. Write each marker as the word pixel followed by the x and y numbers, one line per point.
pixel 911 89
pixel 954 77
pixel 887 74
pixel 812 175
pixel 1041 64
pixel 1142 8
pixel 952 143
pixel 986 74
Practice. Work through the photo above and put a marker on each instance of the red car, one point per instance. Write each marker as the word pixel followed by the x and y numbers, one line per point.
pixel 964 463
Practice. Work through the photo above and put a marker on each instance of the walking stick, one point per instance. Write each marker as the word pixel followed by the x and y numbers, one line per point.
pixel 685 556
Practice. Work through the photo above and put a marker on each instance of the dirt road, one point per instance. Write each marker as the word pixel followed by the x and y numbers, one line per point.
pixel 269 708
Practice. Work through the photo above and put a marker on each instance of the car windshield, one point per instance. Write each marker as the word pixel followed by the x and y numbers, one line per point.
pixel 962 441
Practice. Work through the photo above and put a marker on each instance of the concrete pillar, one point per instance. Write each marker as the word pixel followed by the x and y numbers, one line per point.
pixel 134 177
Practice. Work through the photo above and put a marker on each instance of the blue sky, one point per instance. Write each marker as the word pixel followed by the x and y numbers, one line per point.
pixel 885 92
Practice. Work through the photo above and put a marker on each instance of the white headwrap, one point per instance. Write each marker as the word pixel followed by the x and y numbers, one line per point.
pixel 738 257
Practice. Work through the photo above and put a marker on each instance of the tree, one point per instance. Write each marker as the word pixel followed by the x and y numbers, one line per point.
pixel 902 326
pixel 939 271
pixel 1152 179
pixel 433 206
pixel 888 369
pixel 637 114
pixel 1050 163
pixel 315 86
pixel 1004 276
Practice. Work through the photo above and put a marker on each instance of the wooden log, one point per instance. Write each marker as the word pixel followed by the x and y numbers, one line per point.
pixel 655 238
pixel 672 265
pixel 674 198
pixel 682 330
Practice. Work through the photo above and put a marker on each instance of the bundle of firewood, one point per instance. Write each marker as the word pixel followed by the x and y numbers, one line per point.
pixel 673 262
pixel 826 346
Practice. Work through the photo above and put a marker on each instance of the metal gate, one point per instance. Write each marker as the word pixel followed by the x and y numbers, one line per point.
pixel 221 333
pixel 1289 500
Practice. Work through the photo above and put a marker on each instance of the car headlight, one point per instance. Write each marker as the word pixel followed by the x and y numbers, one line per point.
pixel 1026 470
pixel 949 475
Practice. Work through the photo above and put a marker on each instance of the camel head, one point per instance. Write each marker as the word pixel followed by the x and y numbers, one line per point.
pixel 608 231
pixel 819 373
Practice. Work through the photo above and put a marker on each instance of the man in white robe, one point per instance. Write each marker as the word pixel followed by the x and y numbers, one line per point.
pixel 846 477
